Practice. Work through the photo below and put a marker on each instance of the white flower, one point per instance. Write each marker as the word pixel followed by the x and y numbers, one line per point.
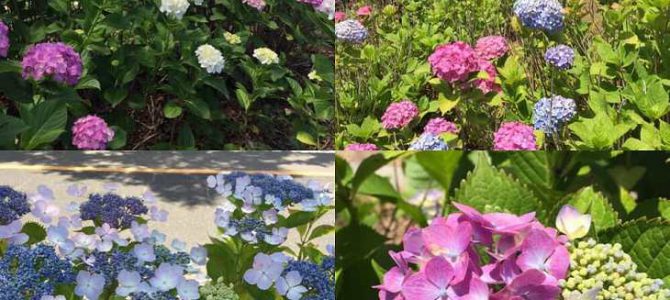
pixel 176 8
pixel 210 58
pixel 266 56
pixel 198 2
pixel 573 223
pixel 327 7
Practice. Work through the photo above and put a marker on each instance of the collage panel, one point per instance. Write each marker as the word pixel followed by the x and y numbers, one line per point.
pixel 502 225
pixel 166 225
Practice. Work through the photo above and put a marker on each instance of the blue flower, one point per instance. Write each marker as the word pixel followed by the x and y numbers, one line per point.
pixel 351 31
pixel 319 279
pixel 544 15
pixel 550 113
pixel 13 205
pixel 112 209
pixel 287 190
pixel 560 57
pixel 429 141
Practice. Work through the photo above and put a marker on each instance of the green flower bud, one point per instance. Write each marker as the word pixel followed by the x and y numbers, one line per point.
pixel 218 290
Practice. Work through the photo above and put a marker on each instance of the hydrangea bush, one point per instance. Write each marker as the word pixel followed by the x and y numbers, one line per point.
pixel 167 74
pixel 497 225
pixel 102 246
pixel 484 64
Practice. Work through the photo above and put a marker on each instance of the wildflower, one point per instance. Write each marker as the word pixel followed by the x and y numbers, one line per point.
pixel 91 133
pixel 514 136
pixel 399 114
pixel 439 126
pixel 361 147
pixel 491 47
pixel 4 39
pixel 266 56
pixel 550 113
pixel 545 15
pixel 89 285
pixel 561 57
pixel 264 272
pixel 351 31
pixel 210 59
pixel 257 4
pixel 57 61
pixel 453 62
pixel 232 38
pixel 429 142
pixel 174 8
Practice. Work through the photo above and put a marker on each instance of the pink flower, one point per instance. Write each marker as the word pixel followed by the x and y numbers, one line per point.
pixel 543 253
pixel 435 282
pixel 57 61
pixel 454 62
pixel 529 285
pixel 439 125
pixel 257 4
pixel 91 133
pixel 340 16
pixel 513 136
pixel 489 84
pixel 361 147
pixel 491 47
pixel 399 114
pixel 364 11
pixel 4 39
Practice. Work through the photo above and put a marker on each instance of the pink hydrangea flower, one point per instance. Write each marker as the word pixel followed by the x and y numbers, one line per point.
pixel 361 147
pixel 364 11
pixel 312 2
pixel 91 133
pixel 514 136
pixel 340 16
pixel 438 126
pixel 489 84
pixel 399 114
pixel 257 4
pixel 56 60
pixel 454 62
pixel 4 39
pixel 491 47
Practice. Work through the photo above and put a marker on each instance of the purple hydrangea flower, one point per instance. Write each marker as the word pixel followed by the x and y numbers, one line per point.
pixel 91 133
pixel 550 113
pixel 399 114
pixel 112 209
pixel 4 39
pixel 545 15
pixel 439 126
pixel 351 31
pixel 514 136
pixel 454 62
pixel 561 57
pixel 429 142
pixel 55 60
pixel 491 47
pixel 361 147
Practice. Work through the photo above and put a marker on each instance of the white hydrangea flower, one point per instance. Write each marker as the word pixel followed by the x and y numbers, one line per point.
pixel 266 56
pixel 176 8
pixel 210 58
pixel 327 7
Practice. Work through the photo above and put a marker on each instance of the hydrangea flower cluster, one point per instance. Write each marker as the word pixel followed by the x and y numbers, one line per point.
pixel 210 59
pixel 454 62
pixel 4 39
pixel 257 4
pixel 351 31
pixel 429 142
pixel 561 57
pixel 608 272
pixel 253 204
pixel 491 47
pixel 550 113
pixel 175 8
pixel 13 205
pixel 111 209
pixel 445 260
pixel 399 114
pixel 544 15
pixel 55 60
pixel 361 147
pixel 488 84
pixel 91 133
pixel 439 126
pixel 266 56
pixel 513 136
pixel 32 272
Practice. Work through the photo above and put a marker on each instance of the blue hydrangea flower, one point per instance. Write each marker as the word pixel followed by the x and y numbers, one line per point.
pixel 544 15
pixel 550 113
pixel 319 279
pixel 13 205
pixel 560 57
pixel 32 272
pixel 428 142
pixel 112 209
pixel 351 31
pixel 288 190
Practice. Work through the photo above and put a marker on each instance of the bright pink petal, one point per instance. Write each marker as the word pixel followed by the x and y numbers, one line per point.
pixel 441 239
pixel 417 287
pixel 559 262
pixel 536 249
pixel 393 280
pixel 440 272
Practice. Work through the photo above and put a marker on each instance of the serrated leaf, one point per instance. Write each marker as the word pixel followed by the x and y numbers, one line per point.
pixel 602 213
pixel 321 231
pixel 441 165
pixel 36 233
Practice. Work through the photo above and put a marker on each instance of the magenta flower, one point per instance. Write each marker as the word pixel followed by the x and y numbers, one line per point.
pixel 529 285
pixel 454 62
pixel 4 39
pixel 514 136
pixel 438 126
pixel 58 61
pixel 340 16
pixel 399 114
pixel 541 252
pixel 91 133
pixel 487 85
pixel 435 282
pixel 364 11
pixel 491 47
pixel 449 241
pixel 361 147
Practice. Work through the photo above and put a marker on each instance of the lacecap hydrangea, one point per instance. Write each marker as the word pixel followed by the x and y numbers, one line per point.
pixel 57 61
pixel 112 209
pixel 4 39
pixel 544 15
pixel 513 136
pixel 551 113
pixel 13 205
pixel 429 142
pixel 561 57
pixel 454 62
pixel 91 133
pixel 210 59
pixel 351 31
pixel 399 114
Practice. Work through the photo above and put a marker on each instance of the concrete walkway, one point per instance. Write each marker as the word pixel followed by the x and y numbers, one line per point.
pixel 177 179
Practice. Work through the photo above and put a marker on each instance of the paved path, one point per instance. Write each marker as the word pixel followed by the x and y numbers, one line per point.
pixel 176 178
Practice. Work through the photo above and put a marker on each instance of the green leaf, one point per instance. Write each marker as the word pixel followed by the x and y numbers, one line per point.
pixel 379 270
pixel 599 132
pixel 381 187
pixel 298 218
pixel 47 121
pixel 120 138
pixel 371 164
pixel 88 83
pixel 186 140
pixel 306 138
pixel 243 97
pixel 489 186
pixel 441 165
pixel 321 231
pixel 649 96
pixel 10 127
pixel 602 213
pixel 115 95
pixel 10 66
pixel 172 110
pixel 199 108
pixel 35 232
